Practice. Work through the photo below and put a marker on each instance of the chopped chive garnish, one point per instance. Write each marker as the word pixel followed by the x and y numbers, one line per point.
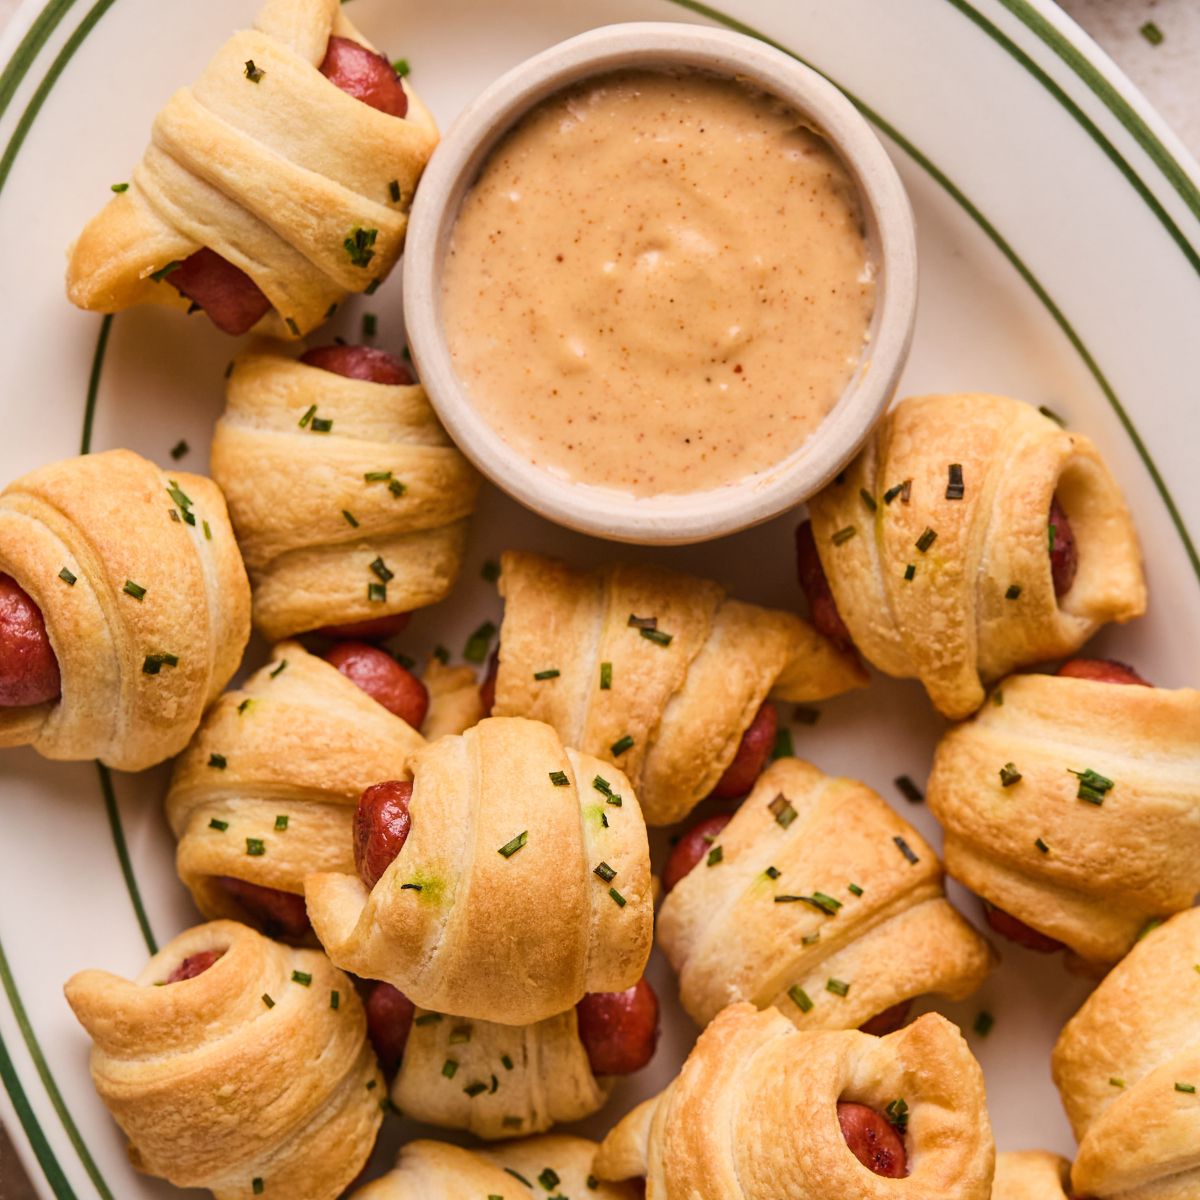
pixel 394 191
pixel 219 761
pixel 511 847
pixel 350 518
pixel 548 673
pixel 843 535
pixel 605 676
pixel 359 245
pixel 837 986
pixel 377 593
pixel 998 698
pixel 559 778
pixel 1013 591
pixel 380 568
pixel 592 1182
pixel 449 1067
pixel 984 1022
pixel 1041 845
pixel 257 1186
pixel 715 855
pixel 179 449
pixel 783 747
pixel 1149 927
pixel 290 322
pixel 926 539
pixel 772 872
pixel 1115 1082
pixel 134 589
pixel 506 1061
pixel 490 571
pixel 321 424
pixel 152 664
pixel 605 872
pixel 476 649
pixel 657 636
pixel 868 499
pixel 1051 533
pixel 397 488
pixel 1152 34
pixel 253 73
pixel 854 889
pixel 459 1034
pixel 909 790
pixel 901 489
pixel 266 999
pixel 309 413
pixel 1093 786
pixel 621 745
pixel 377 476
pixel 67 577
pixel 818 900
pixel 897 1114
pixel 372 288
pixel 441 654
pixel 162 272
pixel 910 572
pixel 245 705
pixel 335 1000
pixel 548 1179
pixel 1187 1088
pixel 207 531
pixel 431 1018
pixel 474 1089
pixel 806 714
pixel 618 899
pixel 906 849
pixel 954 488
pixel 281 822
pixel 605 789
pixel 1009 775
pixel 302 977
pixel 216 823
pixel 255 847
pixel 799 997
pixel 119 187
pixel 279 670
pixel 642 622
pixel 782 810
pixel 412 887
pixel 370 323
pixel 1049 412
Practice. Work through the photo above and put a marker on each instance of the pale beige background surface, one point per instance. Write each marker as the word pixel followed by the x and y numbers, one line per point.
pixel 1169 74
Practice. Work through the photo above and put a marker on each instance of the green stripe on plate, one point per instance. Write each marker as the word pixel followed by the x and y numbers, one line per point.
pixel 33 1131
pixel 43 1070
pixel 118 835
pixel 30 46
pixel 93 389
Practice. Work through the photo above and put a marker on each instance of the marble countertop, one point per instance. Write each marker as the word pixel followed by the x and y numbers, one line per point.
pixel 1167 73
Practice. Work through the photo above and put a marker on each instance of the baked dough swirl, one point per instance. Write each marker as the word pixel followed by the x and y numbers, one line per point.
pixel 495 908
pixel 145 601
pixel 1127 1066
pixel 540 1166
pixel 1030 1175
pixel 315 510
pixel 678 701
pixel 507 1080
pixel 817 879
pixel 1089 875
pixel 753 1115
pixel 282 175
pixel 250 1077
pixel 958 592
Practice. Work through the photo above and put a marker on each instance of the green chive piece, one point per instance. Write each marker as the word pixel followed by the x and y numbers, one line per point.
pixel 376 593
pixel 377 476
pixel 837 986
pixel 715 855
pixel 215 823
pixel 507 1062
pixel 449 1067
pixel 120 187
pixel 799 997
pixel 283 662
pixel 998 698
pixel 281 822
pixel 266 999
pixel 784 747
pixel 1152 34
pixel 1188 1088
pixel 291 324
pixel 1013 591
pixel 397 488
pixel 431 1018
pixel 511 847
pixel 1051 534
pixel 253 73
pixel 255 847
pixel 401 67
pixel 642 622
pixel 1009 775
pixel 67 577
pixel 412 887
pixel 901 489
pixel 926 539
pixel 309 413
pixel 854 889
pixel 843 535
pixel 605 872
pixel 394 191
pixel 358 245
pixel 152 664
pixel 321 424
pixel 909 790
pixel 549 1179
pixel 605 676
pixel 1115 1082
pixel 370 324
pixel 1049 412
pixel 618 899
pixel 372 287
pixel 1041 845
pixel 179 449
pixel 219 761
pixel 1093 786
pixel 134 589
pixel 868 499
pixel 459 1034
pixel 478 644
pixel 245 705
pixel 621 745
pixel 490 571
pixel 657 636
pixel 302 977
pixel 772 872
pixel 257 1186
pixel 559 778
pixel 984 1022
pixel 910 572
pixel 592 1182
pixel 350 518
pixel 380 568
pixel 782 810
pixel 806 714
pixel 162 272
pixel 906 850
pixel 474 1089
pixel 207 531
pixel 897 1114
pixel 335 1000
pixel 441 654
pixel 1149 927
pixel 954 488
pixel 548 673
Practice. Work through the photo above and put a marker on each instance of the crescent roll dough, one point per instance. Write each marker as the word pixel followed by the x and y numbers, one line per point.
pixel 821 841
pixel 294 747
pixel 684 696
pixel 314 511
pixel 145 601
pixel 1030 1175
pixel 532 1076
pixel 1127 1066
pixel 957 624
pixel 493 908
pixel 1087 874
pixel 541 1166
pixel 753 1115
pixel 253 1077
pixel 274 175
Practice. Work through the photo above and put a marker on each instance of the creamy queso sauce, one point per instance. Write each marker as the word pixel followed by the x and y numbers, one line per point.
pixel 659 283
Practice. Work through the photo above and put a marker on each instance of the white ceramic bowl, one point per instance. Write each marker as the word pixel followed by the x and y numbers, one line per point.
pixel 694 516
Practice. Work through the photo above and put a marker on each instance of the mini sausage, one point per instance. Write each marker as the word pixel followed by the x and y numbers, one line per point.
pixel 1101 670
pixel 873 1140
pixel 381 827
pixel 822 608
pixel 487 689
pixel 383 679
pixel 691 848
pixel 272 911
pixel 389 1020
pixel 365 75
pixel 193 965
pixel 752 753
pixel 378 629
pixel 361 362
pixel 233 301
pixel 619 1030
pixel 888 1021
pixel 1064 555
pixel 28 668
pixel 1007 926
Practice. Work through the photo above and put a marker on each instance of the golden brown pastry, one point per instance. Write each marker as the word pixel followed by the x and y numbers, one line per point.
pixel 124 608
pixel 936 542
pixel 761 1111
pixel 277 183
pixel 523 882
pixel 1071 806
pixel 1127 1066
pixel 1030 1175
pixel 818 899
pixel 541 1166
pixel 235 1064
pixel 357 512
pixel 266 792
pixel 659 672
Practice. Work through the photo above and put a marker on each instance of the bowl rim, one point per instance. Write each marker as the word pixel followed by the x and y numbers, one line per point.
pixel 668 519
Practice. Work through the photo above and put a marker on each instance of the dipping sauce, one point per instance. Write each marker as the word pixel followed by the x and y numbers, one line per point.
pixel 659 283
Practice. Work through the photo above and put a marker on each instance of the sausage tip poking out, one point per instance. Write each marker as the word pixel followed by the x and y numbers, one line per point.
pixel 361 362
pixel 378 629
pixel 888 1021
pixel 28 669
pixel 381 827
pixel 691 848
pixel 233 301
pixel 487 689
pixel 752 753
pixel 389 1020
pixel 1101 670
pixel 619 1030
pixel 822 607
pixel 193 965
pixel 365 75
pixel 873 1140
pixel 1064 554
pixel 383 679
pixel 1008 926
pixel 272 911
